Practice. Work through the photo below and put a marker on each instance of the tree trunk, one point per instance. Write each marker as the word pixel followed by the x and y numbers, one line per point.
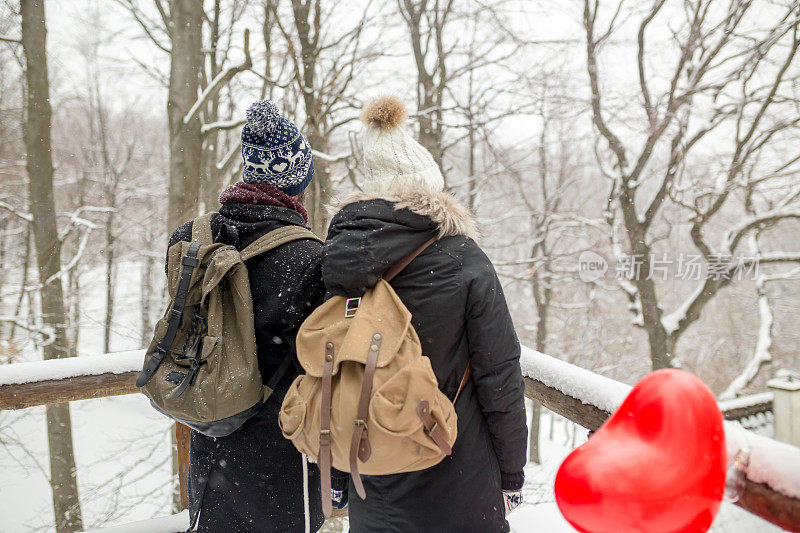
pixel 533 433
pixel 186 140
pixel 39 165
pixel 72 304
pixel 541 298
pixel 146 285
pixel 110 282
pixel 540 286
pixel 659 341
pixel 318 194
pixel 3 224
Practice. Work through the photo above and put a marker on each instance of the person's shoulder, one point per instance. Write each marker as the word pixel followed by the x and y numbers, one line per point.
pixel 298 254
pixel 462 248
pixel 309 247
pixel 181 233
pixel 475 263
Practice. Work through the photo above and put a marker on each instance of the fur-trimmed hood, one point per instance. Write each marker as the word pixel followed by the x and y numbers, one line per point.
pixel 450 215
pixel 370 232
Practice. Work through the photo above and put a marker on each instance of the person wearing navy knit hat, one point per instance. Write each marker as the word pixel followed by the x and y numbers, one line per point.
pixel 254 480
pixel 274 151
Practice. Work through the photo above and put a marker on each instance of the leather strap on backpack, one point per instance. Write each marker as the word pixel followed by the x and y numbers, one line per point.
pixel 431 427
pixel 359 445
pixel 398 267
pixel 325 458
pixel 464 380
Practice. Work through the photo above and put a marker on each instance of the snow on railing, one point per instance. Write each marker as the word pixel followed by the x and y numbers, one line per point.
pixel 773 481
pixel 592 389
pixel 747 406
pixel 70 367
pixel 69 379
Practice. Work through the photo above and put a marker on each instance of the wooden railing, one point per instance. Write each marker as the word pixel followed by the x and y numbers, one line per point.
pixel 579 395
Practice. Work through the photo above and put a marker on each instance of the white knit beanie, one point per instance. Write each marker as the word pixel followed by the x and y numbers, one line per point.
pixel 393 160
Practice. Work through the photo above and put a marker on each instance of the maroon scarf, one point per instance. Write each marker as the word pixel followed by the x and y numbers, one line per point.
pixel 260 194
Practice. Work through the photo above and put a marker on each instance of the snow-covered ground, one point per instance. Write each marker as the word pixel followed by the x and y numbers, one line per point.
pixel 122 448
pixel 121 444
pixel 123 459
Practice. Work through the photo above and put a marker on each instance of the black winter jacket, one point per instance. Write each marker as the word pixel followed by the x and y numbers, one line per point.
pixel 252 480
pixel 460 314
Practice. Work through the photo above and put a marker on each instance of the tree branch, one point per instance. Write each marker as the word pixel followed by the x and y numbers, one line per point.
pixel 733 236
pixel 27 217
pixel 591 66
pixel 648 106
pixel 221 80
pixel 7 39
pixel 222 125
pixel 145 23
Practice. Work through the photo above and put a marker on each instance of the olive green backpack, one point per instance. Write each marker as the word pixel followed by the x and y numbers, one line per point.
pixel 201 367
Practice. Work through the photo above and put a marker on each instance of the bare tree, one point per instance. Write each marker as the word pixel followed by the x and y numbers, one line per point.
pixel 722 58
pixel 63 477
pixel 761 354
pixel 324 65
pixel 185 29
pixel 109 157
pixel 219 155
pixel 426 21
pixel 192 101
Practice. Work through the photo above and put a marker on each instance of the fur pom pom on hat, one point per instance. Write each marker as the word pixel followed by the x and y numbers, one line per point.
pixel 393 160
pixel 386 113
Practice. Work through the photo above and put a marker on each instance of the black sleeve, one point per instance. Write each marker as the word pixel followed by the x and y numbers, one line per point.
pixel 494 352
pixel 308 295
pixel 181 233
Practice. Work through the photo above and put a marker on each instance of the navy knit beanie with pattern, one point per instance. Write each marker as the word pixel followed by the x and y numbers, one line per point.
pixel 274 151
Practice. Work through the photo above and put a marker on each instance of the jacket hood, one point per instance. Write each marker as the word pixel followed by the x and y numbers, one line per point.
pixel 372 231
pixel 445 210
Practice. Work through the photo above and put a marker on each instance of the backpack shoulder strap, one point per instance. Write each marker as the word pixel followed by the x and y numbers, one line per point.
pixel 464 380
pixel 398 267
pixel 201 228
pixel 276 238
pixel 189 262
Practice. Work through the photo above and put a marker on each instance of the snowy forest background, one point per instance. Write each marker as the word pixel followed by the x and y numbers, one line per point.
pixel 649 133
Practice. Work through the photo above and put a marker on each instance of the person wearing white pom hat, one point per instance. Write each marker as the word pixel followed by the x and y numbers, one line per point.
pixel 392 158
pixel 461 317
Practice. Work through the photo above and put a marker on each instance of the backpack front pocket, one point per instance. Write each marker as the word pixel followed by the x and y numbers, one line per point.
pixel 394 409
pixel 292 417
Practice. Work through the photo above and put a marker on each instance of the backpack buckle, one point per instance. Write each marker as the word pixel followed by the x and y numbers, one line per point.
pixel 188 260
pixel 351 306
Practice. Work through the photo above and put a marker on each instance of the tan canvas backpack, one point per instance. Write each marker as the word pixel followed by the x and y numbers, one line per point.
pixel 369 401
pixel 201 367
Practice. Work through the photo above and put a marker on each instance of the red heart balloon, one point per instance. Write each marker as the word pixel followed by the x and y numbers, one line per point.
pixel 656 466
